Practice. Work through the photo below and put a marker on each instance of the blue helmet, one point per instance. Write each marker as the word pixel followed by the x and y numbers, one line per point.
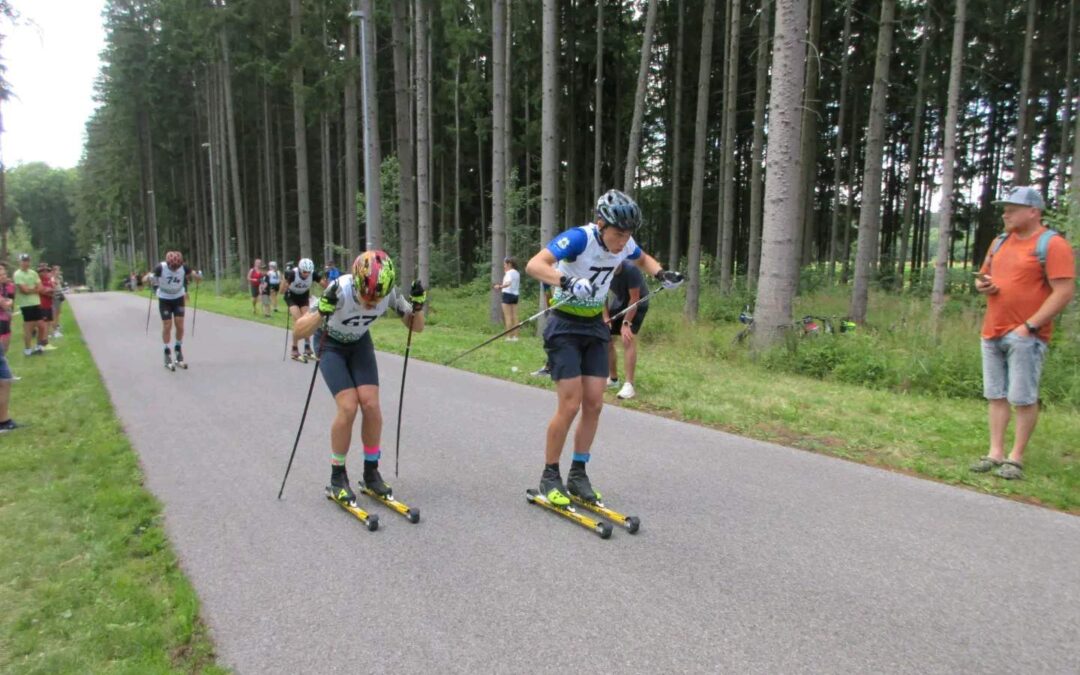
pixel 618 209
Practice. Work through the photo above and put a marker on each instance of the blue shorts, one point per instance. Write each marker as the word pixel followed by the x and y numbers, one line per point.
pixel 1012 367
pixel 5 370
pixel 347 366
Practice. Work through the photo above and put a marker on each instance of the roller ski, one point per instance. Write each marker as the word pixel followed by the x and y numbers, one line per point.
pixel 296 356
pixel 375 487
pixel 179 360
pixel 341 494
pixel 582 494
pixel 308 354
pixel 555 498
pixel 169 363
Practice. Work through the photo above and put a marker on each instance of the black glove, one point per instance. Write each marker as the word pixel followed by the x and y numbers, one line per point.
pixel 670 280
pixel 417 295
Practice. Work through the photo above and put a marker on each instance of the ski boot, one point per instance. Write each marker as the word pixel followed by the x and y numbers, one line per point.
pixel 374 482
pixel 168 360
pixel 308 354
pixel 295 356
pixel 552 488
pixel 577 482
pixel 180 358
pixel 339 488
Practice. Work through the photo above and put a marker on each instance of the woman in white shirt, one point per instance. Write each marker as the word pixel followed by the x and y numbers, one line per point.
pixel 511 290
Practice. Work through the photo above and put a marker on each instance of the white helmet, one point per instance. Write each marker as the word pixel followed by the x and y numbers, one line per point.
pixel 306 265
pixel 273 265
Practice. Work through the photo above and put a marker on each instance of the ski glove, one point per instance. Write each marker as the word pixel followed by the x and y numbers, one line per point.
pixel 326 306
pixel 417 295
pixel 670 280
pixel 582 289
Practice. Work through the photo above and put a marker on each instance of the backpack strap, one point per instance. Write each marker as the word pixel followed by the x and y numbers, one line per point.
pixel 994 249
pixel 1043 245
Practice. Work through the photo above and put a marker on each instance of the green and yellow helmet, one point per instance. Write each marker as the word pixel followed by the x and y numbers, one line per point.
pixel 374 275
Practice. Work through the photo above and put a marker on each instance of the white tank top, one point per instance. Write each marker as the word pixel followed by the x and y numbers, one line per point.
pixel 596 264
pixel 171 282
pixel 352 318
pixel 299 285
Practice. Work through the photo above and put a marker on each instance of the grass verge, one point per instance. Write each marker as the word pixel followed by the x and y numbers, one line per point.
pixel 693 373
pixel 88 581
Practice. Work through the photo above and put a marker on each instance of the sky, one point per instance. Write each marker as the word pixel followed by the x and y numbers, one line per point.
pixel 52 59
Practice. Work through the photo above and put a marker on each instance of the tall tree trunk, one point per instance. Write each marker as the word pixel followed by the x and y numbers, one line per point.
pixel 697 185
pixel 807 209
pixel 457 157
pixel 549 147
pixel 1074 187
pixel 639 99
pixel 242 249
pixel 1066 106
pixel 849 209
pixel 407 184
pixel 598 99
pixel 268 176
pixel 327 189
pixel 372 144
pixel 352 159
pixel 870 213
pixel 498 154
pixel 757 158
pixel 423 148
pixel 675 226
pixel 948 164
pixel 303 204
pixel 778 281
pixel 727 203
pixel 1021 151
pixel 283 204
pixel 915 150
pixel 838 150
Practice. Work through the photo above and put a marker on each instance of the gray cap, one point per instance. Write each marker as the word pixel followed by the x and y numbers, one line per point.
pixel 1023 196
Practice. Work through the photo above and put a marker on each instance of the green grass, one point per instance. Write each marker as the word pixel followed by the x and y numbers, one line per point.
pixel 890 396
pixel 88 581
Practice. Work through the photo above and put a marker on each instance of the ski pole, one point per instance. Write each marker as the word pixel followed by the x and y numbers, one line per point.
pixel 401 394
pixel 307 402
pixel 288 314
pixel 508 330
pixel 195 311
pixel 645 299
pixel 149 306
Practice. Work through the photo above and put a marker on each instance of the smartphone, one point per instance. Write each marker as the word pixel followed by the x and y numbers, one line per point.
pixel 982 277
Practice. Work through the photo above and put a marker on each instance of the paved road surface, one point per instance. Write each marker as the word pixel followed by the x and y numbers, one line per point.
pixel 752 557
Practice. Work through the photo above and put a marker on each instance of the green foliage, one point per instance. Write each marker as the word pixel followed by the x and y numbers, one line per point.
pixel 20 241
pixel 41 196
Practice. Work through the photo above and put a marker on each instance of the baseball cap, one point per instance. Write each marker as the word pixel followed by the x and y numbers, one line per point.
pixel 1023 196
pixel 24 256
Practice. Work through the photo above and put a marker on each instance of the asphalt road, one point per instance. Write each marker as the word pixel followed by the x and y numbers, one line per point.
pixel 752 557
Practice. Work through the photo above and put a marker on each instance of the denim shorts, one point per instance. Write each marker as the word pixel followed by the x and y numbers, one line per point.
pixel 1012 366
pixel 5 371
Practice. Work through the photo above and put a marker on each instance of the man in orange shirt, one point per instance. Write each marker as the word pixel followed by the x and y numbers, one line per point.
pixel 1027 278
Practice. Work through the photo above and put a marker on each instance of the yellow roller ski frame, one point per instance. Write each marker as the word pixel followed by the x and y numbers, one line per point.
pixel 411 514
pixel 370 520
pixel 601 528
pixel 631 523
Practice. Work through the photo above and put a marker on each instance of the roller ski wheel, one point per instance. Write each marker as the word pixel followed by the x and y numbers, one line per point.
pixel 170 365
pixel 570 513
pixel 370 520
pixel 631 523
pixel 296 356
pixel 409 513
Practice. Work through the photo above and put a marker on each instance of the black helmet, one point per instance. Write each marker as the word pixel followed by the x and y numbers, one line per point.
pixel 618 209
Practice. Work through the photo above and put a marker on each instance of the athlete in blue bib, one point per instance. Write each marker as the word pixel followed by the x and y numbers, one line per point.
pixel 578 265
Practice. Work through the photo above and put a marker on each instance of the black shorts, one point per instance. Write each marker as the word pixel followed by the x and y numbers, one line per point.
pixel 254 291
pixel 509 299
pixel 31 313
pixel 5 327
pixel 171 308
pixel 275 287
pixel 576 347
pixel 347 366
pixel 295 300
pixel 635 323
pixel 46 314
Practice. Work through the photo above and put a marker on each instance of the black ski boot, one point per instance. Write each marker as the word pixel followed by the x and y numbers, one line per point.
pixel 308 354
pixel 552 488
pixel 339 485
pixel 374 482
pixel 180 358
pixel 577 481
pixel 168 360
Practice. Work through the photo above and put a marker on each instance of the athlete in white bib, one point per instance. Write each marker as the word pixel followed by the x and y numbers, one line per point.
pixel 347 309
pixel 298 282
pixel 578 264
pixel 171 277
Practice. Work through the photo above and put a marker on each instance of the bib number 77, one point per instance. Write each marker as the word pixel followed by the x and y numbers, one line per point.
pixel 597 271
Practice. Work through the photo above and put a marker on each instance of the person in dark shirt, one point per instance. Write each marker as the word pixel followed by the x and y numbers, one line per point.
pixel 627 287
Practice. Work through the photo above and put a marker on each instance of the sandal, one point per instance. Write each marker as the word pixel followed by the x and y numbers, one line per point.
pixel 1010 470
pixel 985 464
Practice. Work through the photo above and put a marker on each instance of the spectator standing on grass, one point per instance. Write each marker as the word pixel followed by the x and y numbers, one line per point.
pixel 1027 278
pixel 264 294
pixel 273 281
pixel 58 300
pixel 627 287
pixel 27 287
pixel 511 291
pixel 45 294
pixel 7 302
pixel 254 278
pixel 6 423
